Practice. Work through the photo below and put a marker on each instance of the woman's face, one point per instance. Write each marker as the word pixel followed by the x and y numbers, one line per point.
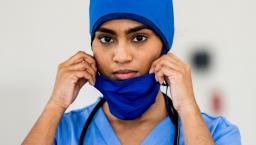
pixel 125 48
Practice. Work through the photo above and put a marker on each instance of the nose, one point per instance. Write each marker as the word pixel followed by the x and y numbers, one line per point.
pixel 122 54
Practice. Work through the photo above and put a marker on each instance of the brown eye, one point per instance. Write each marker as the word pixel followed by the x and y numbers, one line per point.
pixel 106 39
pixel 139 38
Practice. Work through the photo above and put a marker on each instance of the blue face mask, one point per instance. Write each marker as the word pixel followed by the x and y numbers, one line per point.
pixel 128 99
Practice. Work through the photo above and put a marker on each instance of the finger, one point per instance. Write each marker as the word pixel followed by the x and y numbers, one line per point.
pixel 165 58
pixel 78 61
pixel 92 65
pixel 160 78
pixel 79 66
pixel 166 72
pixel 156 78
pixel 167 63
pixel 75 58
pixel 79 57
pixel 173 57
pixel 83 66
pixel 81 82
pixel 151 70
pixel 88 58
pixel 91 60
pixel 76 75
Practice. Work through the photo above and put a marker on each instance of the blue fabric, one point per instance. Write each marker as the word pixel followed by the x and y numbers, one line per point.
pixel 128 99
pixel 100 131
pixel 158 15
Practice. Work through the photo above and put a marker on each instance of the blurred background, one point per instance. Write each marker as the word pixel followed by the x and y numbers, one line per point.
pixel 216 37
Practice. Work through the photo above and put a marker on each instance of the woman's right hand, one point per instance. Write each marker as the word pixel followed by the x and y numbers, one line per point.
pixel 72 74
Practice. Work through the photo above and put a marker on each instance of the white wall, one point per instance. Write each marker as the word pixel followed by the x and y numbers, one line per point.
pixel 35 36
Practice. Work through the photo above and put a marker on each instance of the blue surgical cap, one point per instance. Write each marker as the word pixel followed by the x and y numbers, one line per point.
pixel 157 14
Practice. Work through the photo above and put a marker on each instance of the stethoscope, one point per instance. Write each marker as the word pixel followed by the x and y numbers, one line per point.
pixel 172 113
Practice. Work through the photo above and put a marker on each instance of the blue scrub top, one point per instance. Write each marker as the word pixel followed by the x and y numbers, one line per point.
pixel 100 131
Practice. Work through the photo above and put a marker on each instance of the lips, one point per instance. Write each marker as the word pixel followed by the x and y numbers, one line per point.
pixel 124 74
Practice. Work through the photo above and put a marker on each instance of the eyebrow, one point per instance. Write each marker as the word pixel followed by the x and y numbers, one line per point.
pixel 132 30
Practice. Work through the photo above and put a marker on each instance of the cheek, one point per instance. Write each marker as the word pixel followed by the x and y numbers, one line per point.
pixel 102 59
pixel 152 47
pixel 97 51
pixel 152 50
pixel 150 53
pixel 145 61
pixel 102 65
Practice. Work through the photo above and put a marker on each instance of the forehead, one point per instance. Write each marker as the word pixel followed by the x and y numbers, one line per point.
pixel 124 26
pixel 121 23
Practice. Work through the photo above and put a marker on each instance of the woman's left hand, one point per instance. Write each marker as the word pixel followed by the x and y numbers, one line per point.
pixel 177 74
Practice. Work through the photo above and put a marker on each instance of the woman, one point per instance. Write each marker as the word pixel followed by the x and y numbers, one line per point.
pixel 130 41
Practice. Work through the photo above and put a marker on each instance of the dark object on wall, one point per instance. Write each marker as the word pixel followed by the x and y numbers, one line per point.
pixel 201 59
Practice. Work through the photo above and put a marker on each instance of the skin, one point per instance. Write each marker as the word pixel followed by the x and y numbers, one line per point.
pixel 114 48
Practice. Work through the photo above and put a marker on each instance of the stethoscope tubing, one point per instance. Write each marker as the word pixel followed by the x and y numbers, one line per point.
pixel 172 113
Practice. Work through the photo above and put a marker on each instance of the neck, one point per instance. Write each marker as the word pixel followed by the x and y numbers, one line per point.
pixel 155 113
